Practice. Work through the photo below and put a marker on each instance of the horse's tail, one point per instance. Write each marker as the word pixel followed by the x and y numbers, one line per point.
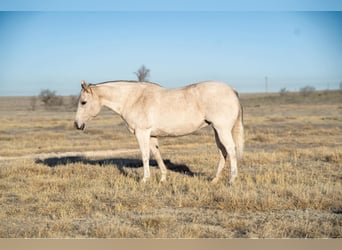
pixel 238 134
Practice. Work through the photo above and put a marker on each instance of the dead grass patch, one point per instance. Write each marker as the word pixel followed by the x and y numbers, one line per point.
pixel 289 185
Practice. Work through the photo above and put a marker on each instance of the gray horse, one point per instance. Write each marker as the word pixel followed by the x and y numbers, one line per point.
pixel 151 111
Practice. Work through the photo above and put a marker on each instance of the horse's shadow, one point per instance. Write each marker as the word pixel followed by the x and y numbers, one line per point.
pixel 121 163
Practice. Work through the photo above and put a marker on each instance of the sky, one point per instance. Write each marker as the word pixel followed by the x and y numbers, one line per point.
pixel 55 47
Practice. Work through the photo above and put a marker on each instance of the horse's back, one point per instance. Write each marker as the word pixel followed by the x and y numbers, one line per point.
pixel 213 93
pixel 213 87
pixel 207 96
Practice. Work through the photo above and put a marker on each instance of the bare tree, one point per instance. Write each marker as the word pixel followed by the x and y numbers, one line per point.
pixel 143 73
pixel 50 99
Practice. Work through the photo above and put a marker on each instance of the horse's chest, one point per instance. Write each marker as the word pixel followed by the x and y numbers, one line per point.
pixel 134 120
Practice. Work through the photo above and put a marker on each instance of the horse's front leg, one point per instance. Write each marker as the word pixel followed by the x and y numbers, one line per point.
pixel 143 137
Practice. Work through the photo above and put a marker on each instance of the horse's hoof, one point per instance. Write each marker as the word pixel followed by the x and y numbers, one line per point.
pixel 162 181
pixel 231 181
pixel 144 180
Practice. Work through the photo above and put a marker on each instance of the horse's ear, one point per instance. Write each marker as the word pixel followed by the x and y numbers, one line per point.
pixel 84 85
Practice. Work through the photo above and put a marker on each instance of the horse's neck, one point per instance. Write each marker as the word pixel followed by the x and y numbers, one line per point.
pixel 115 96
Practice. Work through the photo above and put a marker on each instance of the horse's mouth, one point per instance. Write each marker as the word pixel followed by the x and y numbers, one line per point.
pixel 82 127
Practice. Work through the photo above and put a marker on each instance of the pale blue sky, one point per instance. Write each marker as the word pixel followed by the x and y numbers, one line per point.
pixel 171 5
pixel 58 49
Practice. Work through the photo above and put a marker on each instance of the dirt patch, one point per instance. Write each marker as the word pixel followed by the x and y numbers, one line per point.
pixel 99 153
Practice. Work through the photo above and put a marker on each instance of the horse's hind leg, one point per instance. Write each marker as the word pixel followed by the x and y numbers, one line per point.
pixel 226 145
pixel 223 156
pixel 154 146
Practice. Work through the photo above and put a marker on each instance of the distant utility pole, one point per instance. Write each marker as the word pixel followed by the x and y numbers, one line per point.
pixel 266 84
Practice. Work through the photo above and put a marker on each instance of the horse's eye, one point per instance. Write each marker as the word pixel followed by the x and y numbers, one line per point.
pixel 83 102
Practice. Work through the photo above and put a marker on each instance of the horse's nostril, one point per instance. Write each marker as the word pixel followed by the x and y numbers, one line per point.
pixel 79 127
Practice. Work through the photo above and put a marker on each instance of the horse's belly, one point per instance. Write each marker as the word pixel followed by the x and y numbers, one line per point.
pixel 177 127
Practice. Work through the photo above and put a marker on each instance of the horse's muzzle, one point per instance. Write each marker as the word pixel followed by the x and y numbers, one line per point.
pixel 79 127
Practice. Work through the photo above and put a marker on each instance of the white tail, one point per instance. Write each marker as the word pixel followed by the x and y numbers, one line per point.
pixel 238 134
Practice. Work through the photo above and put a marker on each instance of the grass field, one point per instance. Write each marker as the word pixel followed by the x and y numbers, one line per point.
pixel 289 183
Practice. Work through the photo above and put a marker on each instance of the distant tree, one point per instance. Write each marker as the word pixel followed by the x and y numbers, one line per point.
pixel 50 99
pixel 340 85
pixel 143 73
pixel 307 90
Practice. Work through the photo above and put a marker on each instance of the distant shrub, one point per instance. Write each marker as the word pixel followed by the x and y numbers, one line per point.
pixel 307 90
pixel 283 92
pixel 50 99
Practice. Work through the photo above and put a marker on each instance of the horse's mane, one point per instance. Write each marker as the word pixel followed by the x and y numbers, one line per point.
pixel 129 81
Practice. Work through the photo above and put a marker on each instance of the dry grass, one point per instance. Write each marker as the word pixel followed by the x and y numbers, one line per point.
pixel 289 185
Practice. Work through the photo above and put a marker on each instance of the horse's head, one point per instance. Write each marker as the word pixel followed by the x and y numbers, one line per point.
pixel 89 106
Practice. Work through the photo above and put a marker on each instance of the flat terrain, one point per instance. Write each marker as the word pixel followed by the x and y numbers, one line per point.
pixel 56 182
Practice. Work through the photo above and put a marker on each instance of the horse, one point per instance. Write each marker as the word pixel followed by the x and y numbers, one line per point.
pixel 150 111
